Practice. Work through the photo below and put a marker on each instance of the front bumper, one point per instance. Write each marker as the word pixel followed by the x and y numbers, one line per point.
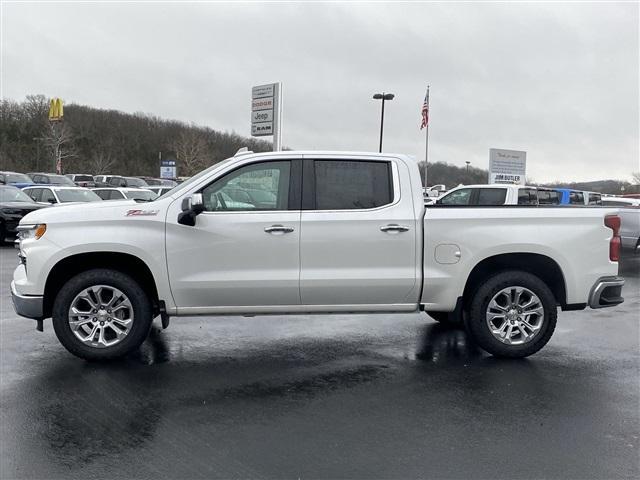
pixel 29 306
pixel 606 292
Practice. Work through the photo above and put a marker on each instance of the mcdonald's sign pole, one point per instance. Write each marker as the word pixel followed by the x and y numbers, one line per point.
pixel 56 114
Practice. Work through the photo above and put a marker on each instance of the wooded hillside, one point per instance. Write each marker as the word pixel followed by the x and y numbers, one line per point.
pixel 107 141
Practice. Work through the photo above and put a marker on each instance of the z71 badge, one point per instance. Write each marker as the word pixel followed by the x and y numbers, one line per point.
pixel 142 213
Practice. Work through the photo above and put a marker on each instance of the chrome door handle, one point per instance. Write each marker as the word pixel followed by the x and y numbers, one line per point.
pixel 394 228
pixel 278 229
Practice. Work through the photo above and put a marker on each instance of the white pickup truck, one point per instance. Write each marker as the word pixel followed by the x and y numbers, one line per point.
pixel 311 232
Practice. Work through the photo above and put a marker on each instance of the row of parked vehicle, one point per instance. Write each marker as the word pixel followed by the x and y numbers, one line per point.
pixel 22 193
pixel 503 194
pixel 499 194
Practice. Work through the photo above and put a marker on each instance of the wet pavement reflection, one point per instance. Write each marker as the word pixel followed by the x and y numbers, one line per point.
pixel 349 396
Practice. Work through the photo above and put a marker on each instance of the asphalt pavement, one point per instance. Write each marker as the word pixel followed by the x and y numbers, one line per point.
pixel 343 396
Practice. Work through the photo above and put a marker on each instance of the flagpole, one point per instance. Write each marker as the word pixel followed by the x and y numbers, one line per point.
pixel 426 143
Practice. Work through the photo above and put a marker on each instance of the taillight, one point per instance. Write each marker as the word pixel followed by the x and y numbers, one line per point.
pixel 613 222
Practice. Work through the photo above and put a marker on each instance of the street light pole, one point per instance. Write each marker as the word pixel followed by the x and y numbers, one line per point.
pixel 382 96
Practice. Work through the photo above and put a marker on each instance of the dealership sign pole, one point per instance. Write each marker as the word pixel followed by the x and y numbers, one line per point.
pixel 507 166
pixel 266 112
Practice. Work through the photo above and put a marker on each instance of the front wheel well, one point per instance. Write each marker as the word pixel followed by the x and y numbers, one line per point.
pixel 69 267
pixel 543 267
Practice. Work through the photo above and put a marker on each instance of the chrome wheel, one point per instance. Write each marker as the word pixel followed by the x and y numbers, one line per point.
pixel 101 316
pixel 515 315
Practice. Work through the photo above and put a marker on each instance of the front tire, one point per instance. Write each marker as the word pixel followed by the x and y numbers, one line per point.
pixel 101 314
pixel 513 314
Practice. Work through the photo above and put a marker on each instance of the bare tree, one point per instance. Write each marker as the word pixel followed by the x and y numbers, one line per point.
pixel 58 138
pixel 636 177
pixel 101 162
pixel 191 152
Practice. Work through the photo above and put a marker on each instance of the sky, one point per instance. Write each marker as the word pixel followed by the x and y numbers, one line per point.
pixel 557 80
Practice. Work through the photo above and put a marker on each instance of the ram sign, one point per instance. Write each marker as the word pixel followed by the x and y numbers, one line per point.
pixel 507 166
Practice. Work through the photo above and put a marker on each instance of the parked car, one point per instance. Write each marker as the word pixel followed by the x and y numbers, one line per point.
pixel 82 180
pixel 250 196
pixel 14 204
pixel 102 180
pixel 54 194
pixel 159 182
pixel 158 190
pixel 51 179
pixel 592 198
pixel 629 218
pixel 571 197
pixel 19 180
pixel 355 236
pixel 117 181
pixel 137 194
pixel 498 194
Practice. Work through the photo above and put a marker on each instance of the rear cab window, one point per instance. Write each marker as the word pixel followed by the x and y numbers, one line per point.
pixel 548 197
pixel 490 196
pixel 527 196
pixel 576 198
pixel 352 184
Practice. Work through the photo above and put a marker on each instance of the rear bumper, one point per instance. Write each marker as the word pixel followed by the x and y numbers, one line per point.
pixel 29 306
pixel 606 292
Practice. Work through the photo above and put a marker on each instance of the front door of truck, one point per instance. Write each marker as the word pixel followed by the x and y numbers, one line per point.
pixel 240 253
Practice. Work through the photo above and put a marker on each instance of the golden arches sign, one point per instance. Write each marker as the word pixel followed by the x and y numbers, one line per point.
pixel 56 111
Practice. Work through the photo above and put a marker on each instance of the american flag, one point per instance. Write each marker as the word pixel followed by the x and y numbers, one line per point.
pixel 425 111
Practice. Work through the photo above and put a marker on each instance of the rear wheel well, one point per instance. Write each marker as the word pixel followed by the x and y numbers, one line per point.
pixel 539 265
pixel 69 267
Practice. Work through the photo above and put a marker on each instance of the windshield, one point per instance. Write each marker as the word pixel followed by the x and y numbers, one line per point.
pixel 13 194
pixel 60 180
pixel 196 178
pixel 17 178
pixel 136 182
pixel 76 195
pixel 141 195
pixel 83 178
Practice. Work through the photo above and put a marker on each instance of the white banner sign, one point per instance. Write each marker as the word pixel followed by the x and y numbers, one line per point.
pixel 507 166
pixel 262 91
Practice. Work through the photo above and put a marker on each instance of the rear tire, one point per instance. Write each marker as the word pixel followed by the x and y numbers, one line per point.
pixel 112 315
pixel 508 328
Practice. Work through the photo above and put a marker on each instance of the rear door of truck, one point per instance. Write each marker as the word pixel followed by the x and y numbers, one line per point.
pixel 358 233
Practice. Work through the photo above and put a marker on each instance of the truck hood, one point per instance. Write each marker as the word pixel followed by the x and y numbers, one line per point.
pixel 89 211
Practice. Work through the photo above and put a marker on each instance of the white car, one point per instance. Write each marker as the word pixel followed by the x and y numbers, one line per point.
pixel 354 236
pixel 499 194
pixel 630 217
pixel 137 194
pixel 53 194
pixel 159 189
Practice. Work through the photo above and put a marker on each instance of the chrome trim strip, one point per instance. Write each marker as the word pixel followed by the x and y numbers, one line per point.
pixel 598 288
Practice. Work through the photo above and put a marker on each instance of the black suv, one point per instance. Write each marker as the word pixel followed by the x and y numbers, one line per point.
pixel 14 204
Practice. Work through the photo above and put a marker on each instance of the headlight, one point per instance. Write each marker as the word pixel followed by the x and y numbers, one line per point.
pixel 31 231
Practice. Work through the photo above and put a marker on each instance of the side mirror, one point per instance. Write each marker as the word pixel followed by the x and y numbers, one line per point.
pixel 52 201
pixel 192 206
pixel 197 203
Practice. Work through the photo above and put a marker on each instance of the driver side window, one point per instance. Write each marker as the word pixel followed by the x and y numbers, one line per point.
pixel 459 197
pixel 255 187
